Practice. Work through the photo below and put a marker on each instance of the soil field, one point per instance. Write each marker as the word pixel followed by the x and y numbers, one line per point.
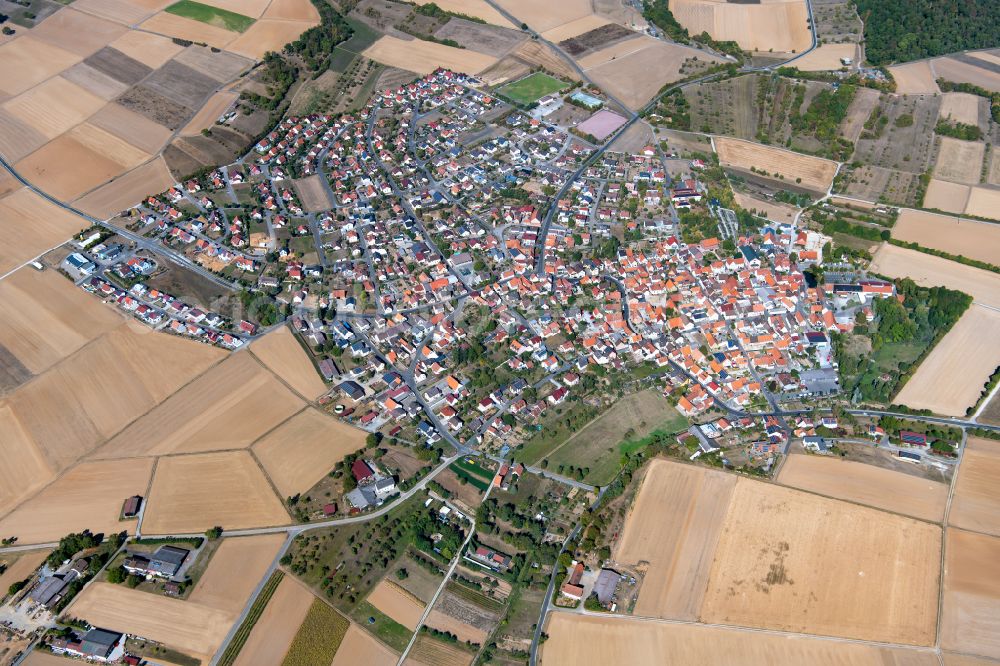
pixel 184 28
pixel 792 561
pixel 827 57
pixel 970 615
pixel 429 651
pixel 94 81
pixel 465 632
pixel 488 39
pixel 984 202
pixel 210 414
pixel 397 603
pixel 120 66
pixel 476 8
pixel 931 271
pixel 282 354
pixel 88 496
pixel 268 35
pixel 816 173
pixel 976 502
pixel 424 57
pixel 950 197
pixel 638 75
pixel 216 106
pixel 193 493
pixel 916 78
pixel 151 50
pixel 182 84
pixel 127 190
pixel 77 32
pixel 53 107
pixel 19 566
pixel 773 210
pixel 596 641
pixel 277 626
pixel 960 161
pixel 572 29
pixel 359 646
pixel 48 302
pixel 312 194
pixel 300 452
pixel 191 628
pixel 26 62
pixel 968 238
pixel 767 26
pixel 127 372
pixel 234 571
pixel 674 528
pixel 960 108
pixel 543 17
pixel 866 484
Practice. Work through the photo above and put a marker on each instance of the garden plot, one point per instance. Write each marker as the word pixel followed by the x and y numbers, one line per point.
pixel 976 502
pixel 195 492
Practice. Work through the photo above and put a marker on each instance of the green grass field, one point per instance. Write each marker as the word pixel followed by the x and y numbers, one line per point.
pixel 220 18
pixel 532 88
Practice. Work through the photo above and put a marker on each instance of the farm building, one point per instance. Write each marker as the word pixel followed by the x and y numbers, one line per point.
pixel 606 586
pixel 491 559
pixel 912 438
pixel 130 509
pixel 96 645
pixel 362 472
pixel 165 562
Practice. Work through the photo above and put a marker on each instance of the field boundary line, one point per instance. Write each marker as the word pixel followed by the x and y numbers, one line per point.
pixel 142 510
pixel 944 539
pixel 281 379
pixel 270 483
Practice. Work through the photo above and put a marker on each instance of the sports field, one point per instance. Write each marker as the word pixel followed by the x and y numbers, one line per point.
pixel 532 88
pixel 220 18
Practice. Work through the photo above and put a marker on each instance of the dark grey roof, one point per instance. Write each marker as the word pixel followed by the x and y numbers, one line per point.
pixel 607 583
pixel 99 642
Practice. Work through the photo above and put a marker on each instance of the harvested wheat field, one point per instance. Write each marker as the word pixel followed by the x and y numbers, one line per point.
pixel 43 168
pixel 251 8
pixel 960 108
pixel 960 161
pixel 77 32
pixel 172 25
pixel 674 527
pixel 151 50
pixel 94 81
pixel 219 65
pixel 954 235
pixel 778 26
pixel 976 502
pixel 127 371
pixel 638 75
pixel 792 561
pixel 227 407
pixel 949 197
pixel 476 8
pixel 124 12
pixel 816 173
pixel 428 651
pixel 574 28
pixel 597 641
pixel 916 78
pixel 192 493
pixel 313 194
pixel 234 571
pixel 273 634
pixel 33 226
pixel 397 603
pixel 131 127
pixel 296 10
pixel 215 107
pixel 930 271
pixel 108 145
pixel 185 626
pixel 544 16
pixel 984 202
pixel 465 632
pixel 359 646
pixel 970 615
pixel 53 107
pixel 827 57
pixel 866 484
pixel 268 35
pixel 48 302
pixel 19 566
pixel 25 469
pixel 18 139
pixel 282 354
pixel 772 210
pixel 977 71
pixel 88 496
pixel 26 62
pixel 422 57
pixel 127 190
pixel 300 452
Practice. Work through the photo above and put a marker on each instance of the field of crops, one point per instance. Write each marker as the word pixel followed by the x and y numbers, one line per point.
pixel 319 636
pixel 220 18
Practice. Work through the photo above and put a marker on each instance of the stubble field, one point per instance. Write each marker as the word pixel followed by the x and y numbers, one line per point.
pixel 195 492
pixel 765 26
pixel 277 626
pixel 429 651
pixel 424 57
pixel 976 502
pixel 959 161
pixel 359 646
pixel 970 614
pixel 915 79
pixel 545 16
pixel 930 271
pixel 792 561
pixel 815 173
pixel 866 484
pixel 960 108
pixel 397 603
pixel 19 566
pixel 37 224
pixel 954 235
pixel 234 571
pixel 282 354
